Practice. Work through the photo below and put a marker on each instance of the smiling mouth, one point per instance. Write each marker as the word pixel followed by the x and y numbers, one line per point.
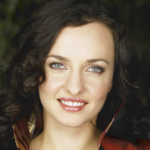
pixel 69 103
pixel 72 104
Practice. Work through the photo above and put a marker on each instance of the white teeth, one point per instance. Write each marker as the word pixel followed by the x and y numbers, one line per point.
pixel 75 104
pixel 68 103
pixel 79 104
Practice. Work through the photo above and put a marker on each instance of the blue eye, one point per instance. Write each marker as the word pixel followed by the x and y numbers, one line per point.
pixel 96 69
pixel 57 66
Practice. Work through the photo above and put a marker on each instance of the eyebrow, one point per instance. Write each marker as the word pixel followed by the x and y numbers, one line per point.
pixel 95 60
pixel 89 60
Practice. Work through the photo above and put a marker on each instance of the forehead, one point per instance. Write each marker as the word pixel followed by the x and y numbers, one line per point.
pixel 88 40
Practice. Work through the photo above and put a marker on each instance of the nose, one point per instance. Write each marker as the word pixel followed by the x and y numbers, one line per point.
pixel 74 83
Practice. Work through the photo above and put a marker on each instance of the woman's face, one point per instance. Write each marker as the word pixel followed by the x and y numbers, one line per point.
pixel 79 72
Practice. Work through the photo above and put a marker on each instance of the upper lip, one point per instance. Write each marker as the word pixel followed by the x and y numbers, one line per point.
pixel 73 99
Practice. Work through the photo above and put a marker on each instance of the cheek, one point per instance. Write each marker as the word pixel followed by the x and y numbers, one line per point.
pixel 98 94
pixel 100 89
pixel 49 88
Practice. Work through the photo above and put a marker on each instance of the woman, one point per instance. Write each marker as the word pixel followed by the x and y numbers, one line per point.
pixel 72 71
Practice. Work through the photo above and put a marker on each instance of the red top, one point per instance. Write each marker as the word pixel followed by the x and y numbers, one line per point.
pixel 113 143
pixel 23 131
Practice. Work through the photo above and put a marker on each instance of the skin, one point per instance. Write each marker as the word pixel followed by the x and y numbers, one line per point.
pixel 77 78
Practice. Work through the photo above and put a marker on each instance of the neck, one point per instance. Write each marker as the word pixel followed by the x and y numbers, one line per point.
pixel 56 136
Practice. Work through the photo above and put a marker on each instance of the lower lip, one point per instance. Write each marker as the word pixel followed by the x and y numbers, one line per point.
pixel 72 108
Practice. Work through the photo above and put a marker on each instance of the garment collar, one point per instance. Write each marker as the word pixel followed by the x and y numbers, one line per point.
pixel 23 131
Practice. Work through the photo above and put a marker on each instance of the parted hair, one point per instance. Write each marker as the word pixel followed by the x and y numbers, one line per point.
pixel 30 46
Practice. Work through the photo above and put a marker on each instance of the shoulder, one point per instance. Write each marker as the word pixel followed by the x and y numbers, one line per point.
pixel 114 143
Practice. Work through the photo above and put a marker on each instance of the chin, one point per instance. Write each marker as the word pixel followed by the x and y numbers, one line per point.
pixel 73 124
pixel 74 121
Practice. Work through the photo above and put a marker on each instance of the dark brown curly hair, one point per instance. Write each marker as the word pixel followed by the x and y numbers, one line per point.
pixel 19 94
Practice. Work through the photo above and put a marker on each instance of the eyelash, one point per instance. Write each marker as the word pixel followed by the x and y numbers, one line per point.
pixel 99 68
pixel 51 65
